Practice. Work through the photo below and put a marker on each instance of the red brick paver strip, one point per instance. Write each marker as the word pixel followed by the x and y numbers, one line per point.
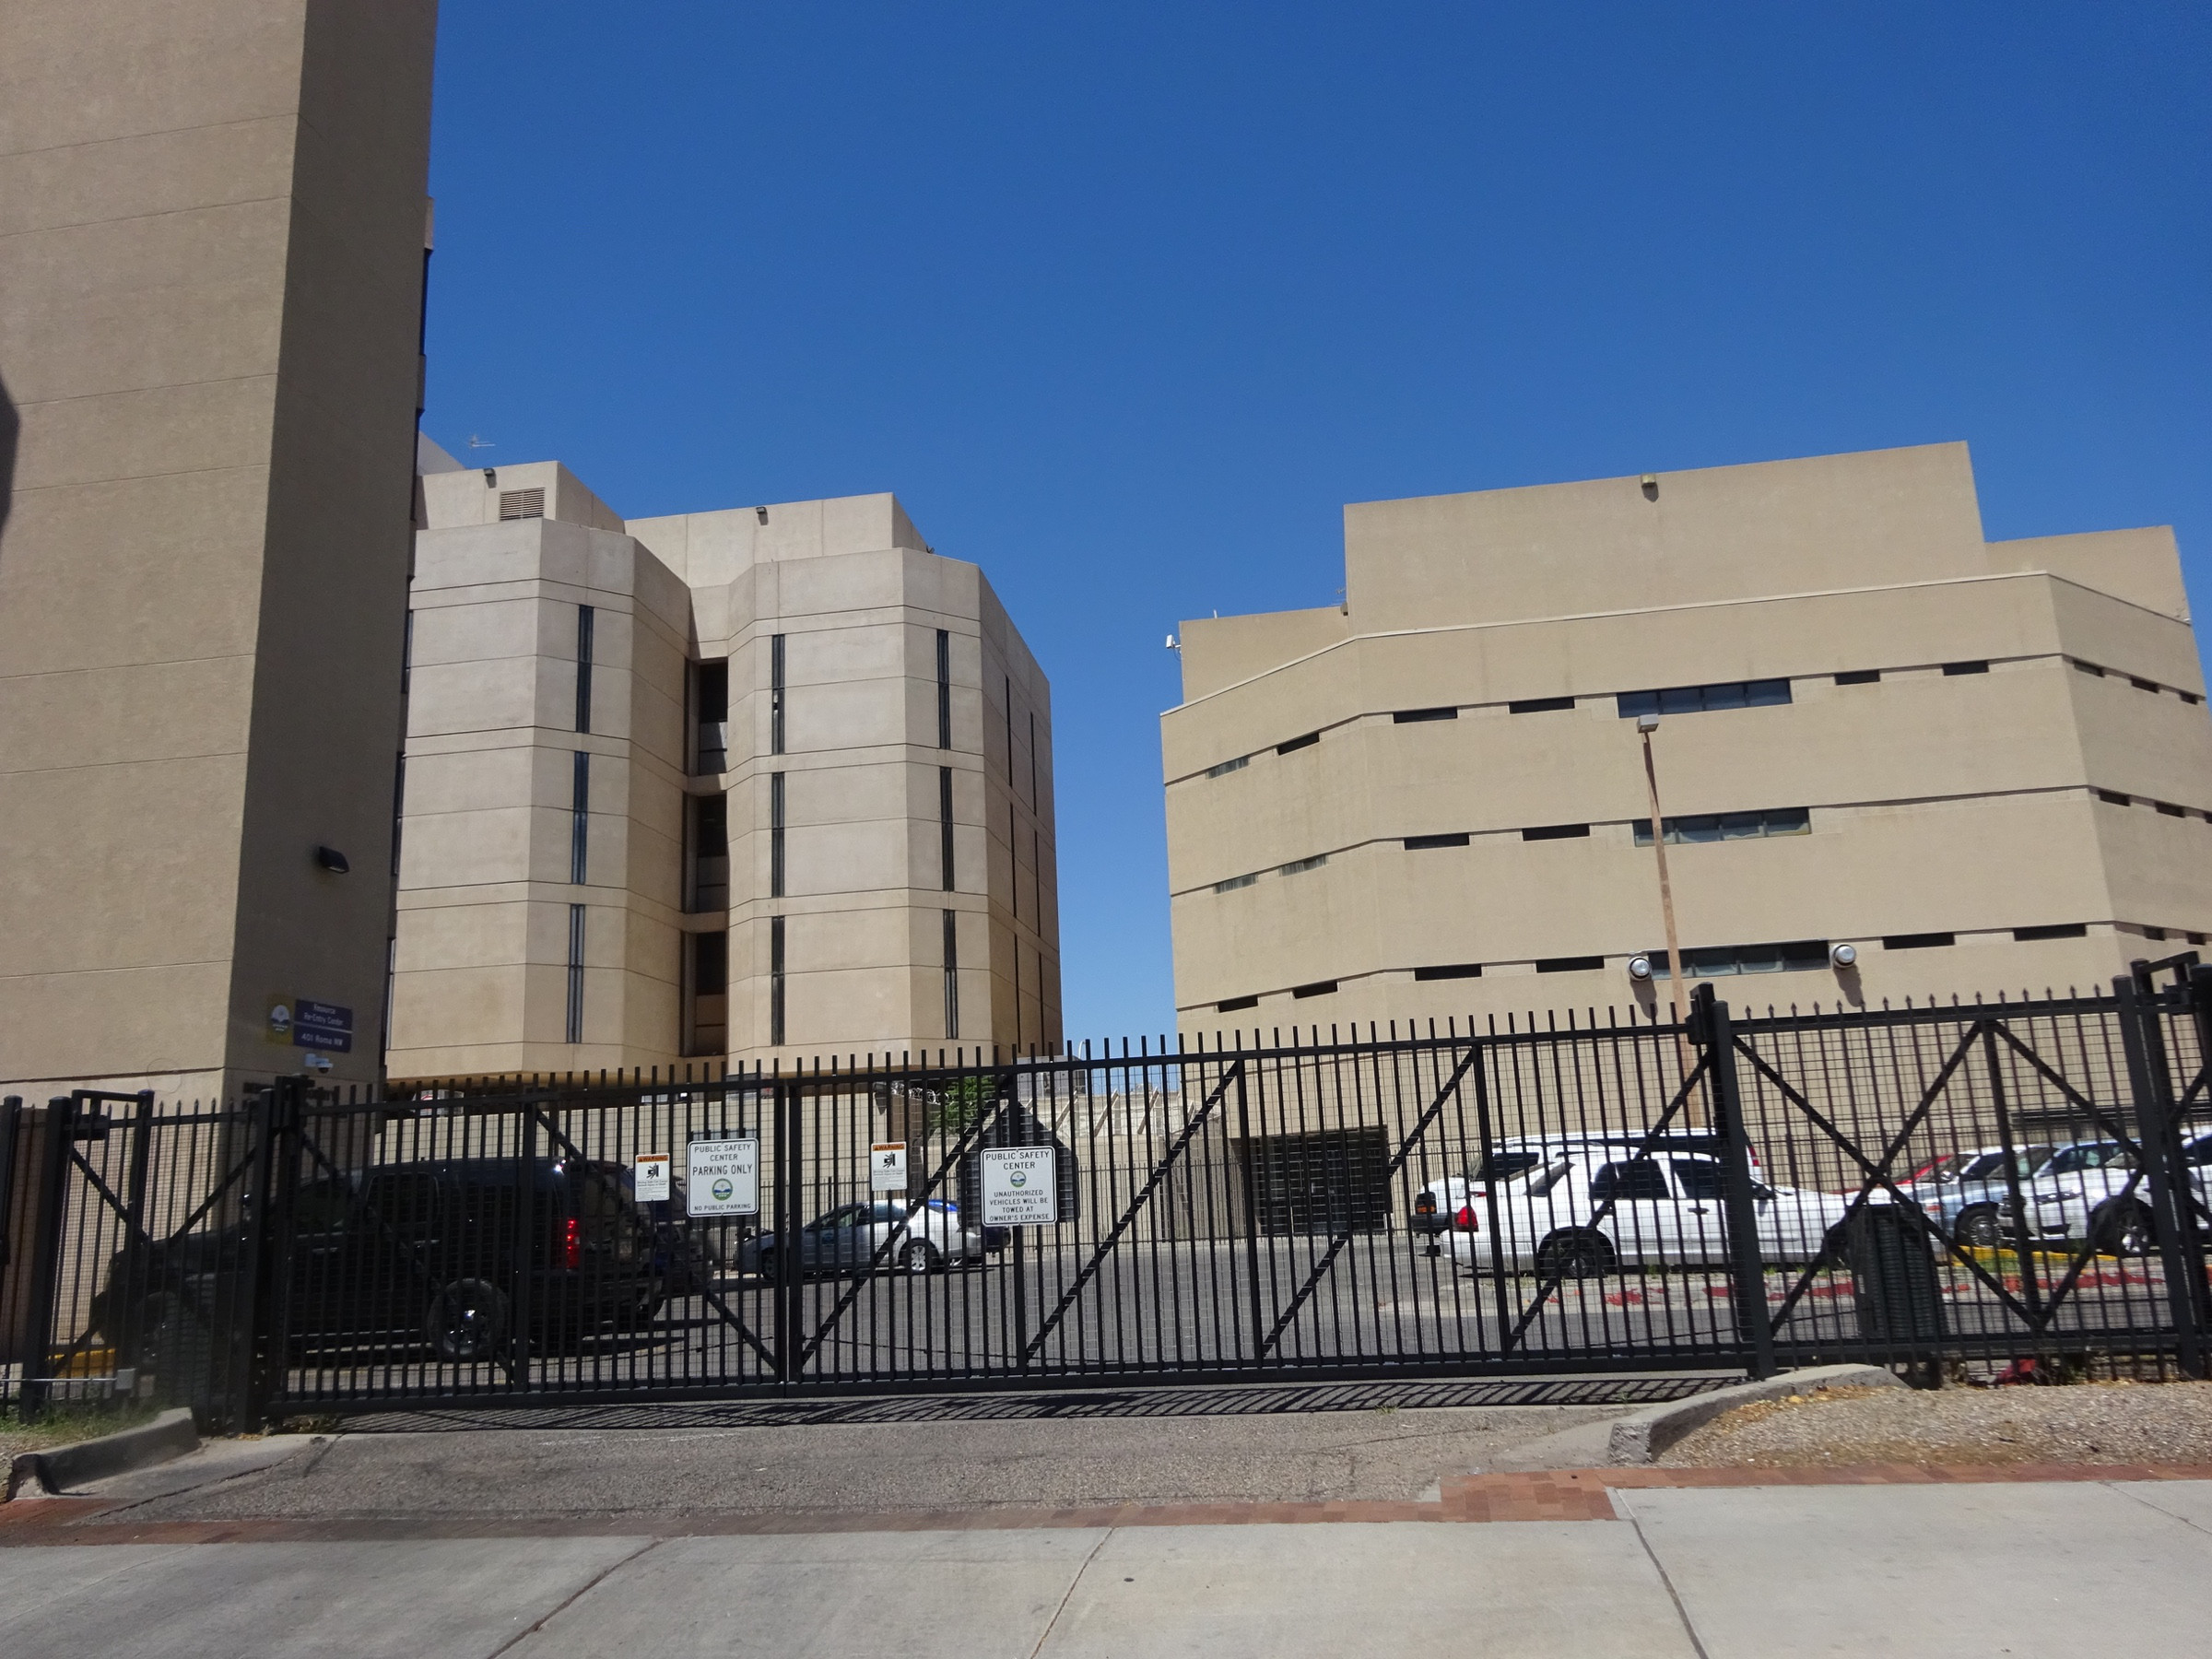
pixel 1552 1495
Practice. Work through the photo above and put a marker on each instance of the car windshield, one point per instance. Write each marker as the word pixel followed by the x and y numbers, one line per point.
pixel 1988 1166
pixel 1503 1165
pixel 2101 1155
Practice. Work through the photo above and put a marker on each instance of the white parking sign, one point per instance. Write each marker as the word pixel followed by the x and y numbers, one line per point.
pixel 1019 1188
pixel 723 1178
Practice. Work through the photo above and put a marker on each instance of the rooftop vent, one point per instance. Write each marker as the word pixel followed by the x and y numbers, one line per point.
pixel 521 504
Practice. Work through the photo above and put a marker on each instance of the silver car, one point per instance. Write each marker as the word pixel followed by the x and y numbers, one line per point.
pixel 1966 1201
pixel 904 1238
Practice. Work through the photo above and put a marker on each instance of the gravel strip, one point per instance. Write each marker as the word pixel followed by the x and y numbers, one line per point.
pixel 2086 1423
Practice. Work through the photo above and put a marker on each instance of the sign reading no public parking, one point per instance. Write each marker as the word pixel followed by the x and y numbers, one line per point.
pixel 722 1177
pixel 1020 1187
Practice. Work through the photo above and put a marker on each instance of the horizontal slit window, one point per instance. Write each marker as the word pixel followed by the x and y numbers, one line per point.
pixel 1235 1003
pixel 2142 685
pixel 1222 771
pixel 1718 961
pixel 1702 700
pixel 2189 697
pixel 1539 705
pixel 1569 964
pixel 1233 883
pixel 1415 843
pixel 1415 716
pixel 2083 667
pixel 2057 930
pixel 1450 971
pixel 1555 832
pixel 2113 798
pixel 2154 933
pixel 2169 809
pixel 1318 988
pixel 1928 941
pixel 1299 865
pixel 1308 741
pixel 1730 825
pixel 1958 668
pixel 1859 677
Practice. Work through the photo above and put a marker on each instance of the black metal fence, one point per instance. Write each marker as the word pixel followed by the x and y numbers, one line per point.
pixel 1953 1188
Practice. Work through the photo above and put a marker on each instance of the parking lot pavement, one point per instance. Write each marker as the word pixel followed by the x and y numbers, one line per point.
pixel 1915 1571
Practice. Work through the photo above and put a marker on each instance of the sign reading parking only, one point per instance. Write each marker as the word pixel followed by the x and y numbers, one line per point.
pixel 1020 1187
pixel 722 1177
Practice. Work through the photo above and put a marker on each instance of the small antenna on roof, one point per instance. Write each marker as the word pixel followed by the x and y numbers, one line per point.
pixel 477 443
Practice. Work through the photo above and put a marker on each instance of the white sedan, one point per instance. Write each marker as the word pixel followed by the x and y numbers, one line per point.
pixel 1665 1209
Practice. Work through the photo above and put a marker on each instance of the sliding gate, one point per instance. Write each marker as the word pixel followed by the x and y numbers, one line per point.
pixel 1972 1186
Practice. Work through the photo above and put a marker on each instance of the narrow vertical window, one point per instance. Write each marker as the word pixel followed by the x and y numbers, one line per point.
pixel 1009 679
pixel 944 824
pixel 775 694
pixel 580 818
pixel 1018 993
pixel 710 729
pixel 584 614
pixel 775 982
pixel 944 688
pixel 575 1027
pixel 399 806
pixel 1033 760
pixel 1037 882
pixel 407 655
pixel 952 976
pixel 775 835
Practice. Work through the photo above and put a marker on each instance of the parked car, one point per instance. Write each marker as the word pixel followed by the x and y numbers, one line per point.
pixel 1964 1201
pixel 1589 1210
pixel 1448 1202
pixel 923 1238
pixel 462 1254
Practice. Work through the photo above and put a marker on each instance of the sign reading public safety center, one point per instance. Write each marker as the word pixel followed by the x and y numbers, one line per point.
pixel 1021 1188
pixel 722 1177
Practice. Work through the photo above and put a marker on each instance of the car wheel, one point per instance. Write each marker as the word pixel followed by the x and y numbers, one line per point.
pixel 919 1257
pixel 466 1321
pixel 1979 1227
pixel 2123 1230
pixel 1576 1256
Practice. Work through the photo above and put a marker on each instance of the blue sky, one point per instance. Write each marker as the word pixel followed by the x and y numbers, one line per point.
pixel 1125 301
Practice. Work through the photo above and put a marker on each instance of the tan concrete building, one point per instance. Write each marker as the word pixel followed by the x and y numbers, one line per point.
pixel 212 230
pixel 1986 767
pixel 773 783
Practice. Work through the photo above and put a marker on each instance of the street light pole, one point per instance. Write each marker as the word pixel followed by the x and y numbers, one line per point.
pixel 1646 725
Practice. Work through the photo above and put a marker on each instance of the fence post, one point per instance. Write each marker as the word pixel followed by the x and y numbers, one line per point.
pixel 47 1204
pixel 790 1279
pixel 1749 1267
pixel 242 1336
pixel 2156 1133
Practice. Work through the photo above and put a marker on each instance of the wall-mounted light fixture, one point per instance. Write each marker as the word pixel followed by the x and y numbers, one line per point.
pixel 331 859
pixel 763 513
pixel 1640 968
pixel 1651 486
pixel 1843 956
pixel 491 478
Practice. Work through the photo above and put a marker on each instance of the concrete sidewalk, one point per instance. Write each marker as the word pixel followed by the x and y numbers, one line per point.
pixel 1761 1573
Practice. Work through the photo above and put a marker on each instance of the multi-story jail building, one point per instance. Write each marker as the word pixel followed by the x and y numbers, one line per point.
pixel 1986 767
pixel 772 782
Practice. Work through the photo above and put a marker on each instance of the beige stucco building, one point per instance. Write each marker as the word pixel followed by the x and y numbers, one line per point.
pixel 1986 766
pixel 768 784
pixel 212 234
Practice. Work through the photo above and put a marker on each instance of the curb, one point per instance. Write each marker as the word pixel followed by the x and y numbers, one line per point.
pixel 1643 1436
pixel 42 1473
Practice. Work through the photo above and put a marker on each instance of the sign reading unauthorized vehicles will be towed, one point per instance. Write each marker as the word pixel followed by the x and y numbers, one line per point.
pixel 722 1177
pixel 1020 1187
